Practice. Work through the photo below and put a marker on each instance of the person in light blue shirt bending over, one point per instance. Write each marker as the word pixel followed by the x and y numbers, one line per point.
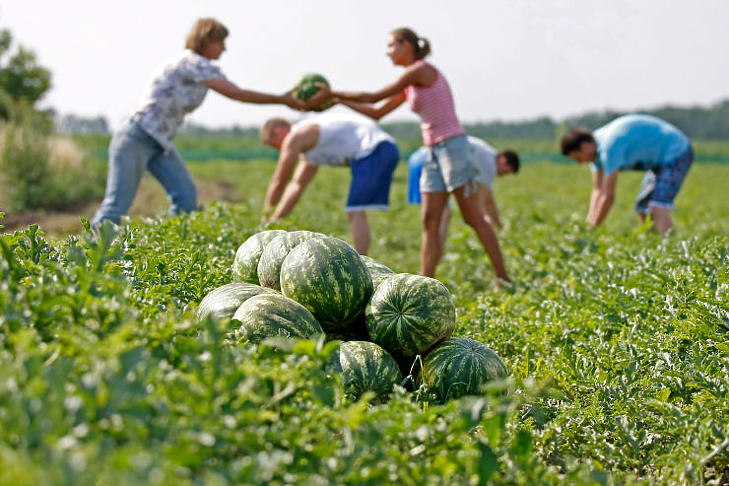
pixel 633 142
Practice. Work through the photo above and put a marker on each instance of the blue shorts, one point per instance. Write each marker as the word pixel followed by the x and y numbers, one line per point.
pixel 661 184
pixel 449 165
pixel 415 169
pixel 371 178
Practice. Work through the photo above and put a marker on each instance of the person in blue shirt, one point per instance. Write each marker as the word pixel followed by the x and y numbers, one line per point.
pixel 633 142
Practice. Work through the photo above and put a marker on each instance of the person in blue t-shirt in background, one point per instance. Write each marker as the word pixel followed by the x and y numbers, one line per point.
pixel 633 142
pixel 490 164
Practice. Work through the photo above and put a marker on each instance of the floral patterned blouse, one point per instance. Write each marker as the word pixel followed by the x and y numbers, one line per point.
pixel 176 90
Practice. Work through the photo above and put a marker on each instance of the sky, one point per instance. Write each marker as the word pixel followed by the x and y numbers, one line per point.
pixel 505 60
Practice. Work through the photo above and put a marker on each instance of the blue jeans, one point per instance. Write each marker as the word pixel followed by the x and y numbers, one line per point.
pixel 131 152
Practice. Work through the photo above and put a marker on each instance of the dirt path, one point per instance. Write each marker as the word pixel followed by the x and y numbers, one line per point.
pixel 151 200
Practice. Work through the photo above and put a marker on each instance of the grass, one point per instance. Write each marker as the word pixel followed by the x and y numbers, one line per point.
pixel 616 340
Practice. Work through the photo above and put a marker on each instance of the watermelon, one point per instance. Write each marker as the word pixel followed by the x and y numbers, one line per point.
pixel 245 265
pixel 269 265
pixel 354 331
pixel 378 270
pixel 223 301
pixel 272 314
pixel 365 366
pixel 305 89
pixel 460 366
pixel 408 314
pixel 327 276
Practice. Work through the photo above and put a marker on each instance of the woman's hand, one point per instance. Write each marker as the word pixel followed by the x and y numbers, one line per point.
pixel 294 103
pixel 321 96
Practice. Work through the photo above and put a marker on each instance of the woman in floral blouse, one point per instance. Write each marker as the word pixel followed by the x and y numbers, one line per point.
pixel 144 141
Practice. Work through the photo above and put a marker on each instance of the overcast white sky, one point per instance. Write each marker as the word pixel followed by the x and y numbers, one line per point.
pixel 504 59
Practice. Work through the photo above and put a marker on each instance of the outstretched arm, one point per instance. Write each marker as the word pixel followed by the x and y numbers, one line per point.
pixel 491 210
pixel 376 111
pixel 295 143
pixel 596 187
pixel 417 74
pixel 304 174
pixel 605 197
pixel 230 90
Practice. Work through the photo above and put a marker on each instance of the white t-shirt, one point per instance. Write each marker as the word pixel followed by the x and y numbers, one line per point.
pixel 176 90
pixel 484 156
pixel 343 138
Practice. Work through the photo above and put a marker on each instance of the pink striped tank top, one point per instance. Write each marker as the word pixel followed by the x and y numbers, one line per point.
pixel 434 104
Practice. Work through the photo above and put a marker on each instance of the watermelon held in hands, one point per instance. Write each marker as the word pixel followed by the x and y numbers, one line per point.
pixel 460 366
pixel 272 315
pixel 245 265
pixel 327 277
pixel 365 367
pixel 306 88
pixel 408 314
pixel 273 255
pixel 378 270
pixel 223 301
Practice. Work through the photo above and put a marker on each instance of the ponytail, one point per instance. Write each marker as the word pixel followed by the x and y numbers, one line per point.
pixel 421 45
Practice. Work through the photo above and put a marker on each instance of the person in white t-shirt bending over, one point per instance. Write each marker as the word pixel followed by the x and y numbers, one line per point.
pixel 335 140
pixel 490 164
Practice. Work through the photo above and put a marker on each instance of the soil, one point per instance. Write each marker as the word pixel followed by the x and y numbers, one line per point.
pixel 151 200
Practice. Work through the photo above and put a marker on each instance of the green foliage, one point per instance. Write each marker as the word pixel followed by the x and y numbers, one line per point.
pixel 29 177
pixel 21 78
pixel 616 341
pixel 710 123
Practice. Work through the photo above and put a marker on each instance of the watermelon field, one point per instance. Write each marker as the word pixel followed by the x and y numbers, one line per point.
pixel 615 339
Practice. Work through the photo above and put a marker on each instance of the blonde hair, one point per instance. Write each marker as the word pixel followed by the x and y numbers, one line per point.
pixel 205 31
pixel 266 132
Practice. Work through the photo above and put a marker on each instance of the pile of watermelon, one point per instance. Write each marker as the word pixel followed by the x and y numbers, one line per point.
pixel 302 284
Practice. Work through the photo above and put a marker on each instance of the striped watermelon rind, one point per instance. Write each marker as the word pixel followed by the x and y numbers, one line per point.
pixel 274 254
pixel 460 366
pixel 408 314
pixel 327 277
pixel 245 265
pixel 365 366
pixel 272 315
pixel 223 301
pixel 378 270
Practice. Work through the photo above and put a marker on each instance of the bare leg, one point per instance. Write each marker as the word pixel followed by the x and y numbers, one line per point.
pixel 475 216
pixel 360 229
pixel 432 211
pixel 443 230
pixel 641 216
pixel 662 221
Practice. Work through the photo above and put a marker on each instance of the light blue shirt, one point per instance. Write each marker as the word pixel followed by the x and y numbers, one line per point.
pixel 637 142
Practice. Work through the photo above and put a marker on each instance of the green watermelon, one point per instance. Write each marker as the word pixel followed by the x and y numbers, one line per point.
pixel 245 265
pixel 305 89
pixel 408 314
pixel 460 366
pixel 327 276
pixel 364 367
pixel 269 266
pixel 378 270
pixel 270 315
pixel 354 331
pixel 224 300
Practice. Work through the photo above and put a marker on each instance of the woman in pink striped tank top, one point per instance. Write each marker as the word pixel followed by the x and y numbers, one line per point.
pixel 449 168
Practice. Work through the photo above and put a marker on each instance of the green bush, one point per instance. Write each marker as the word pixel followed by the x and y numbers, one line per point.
pixel 33 178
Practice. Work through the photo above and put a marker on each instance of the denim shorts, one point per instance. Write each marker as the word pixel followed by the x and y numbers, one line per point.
pixel 661 184
pixel 371 178
pixel 449 165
